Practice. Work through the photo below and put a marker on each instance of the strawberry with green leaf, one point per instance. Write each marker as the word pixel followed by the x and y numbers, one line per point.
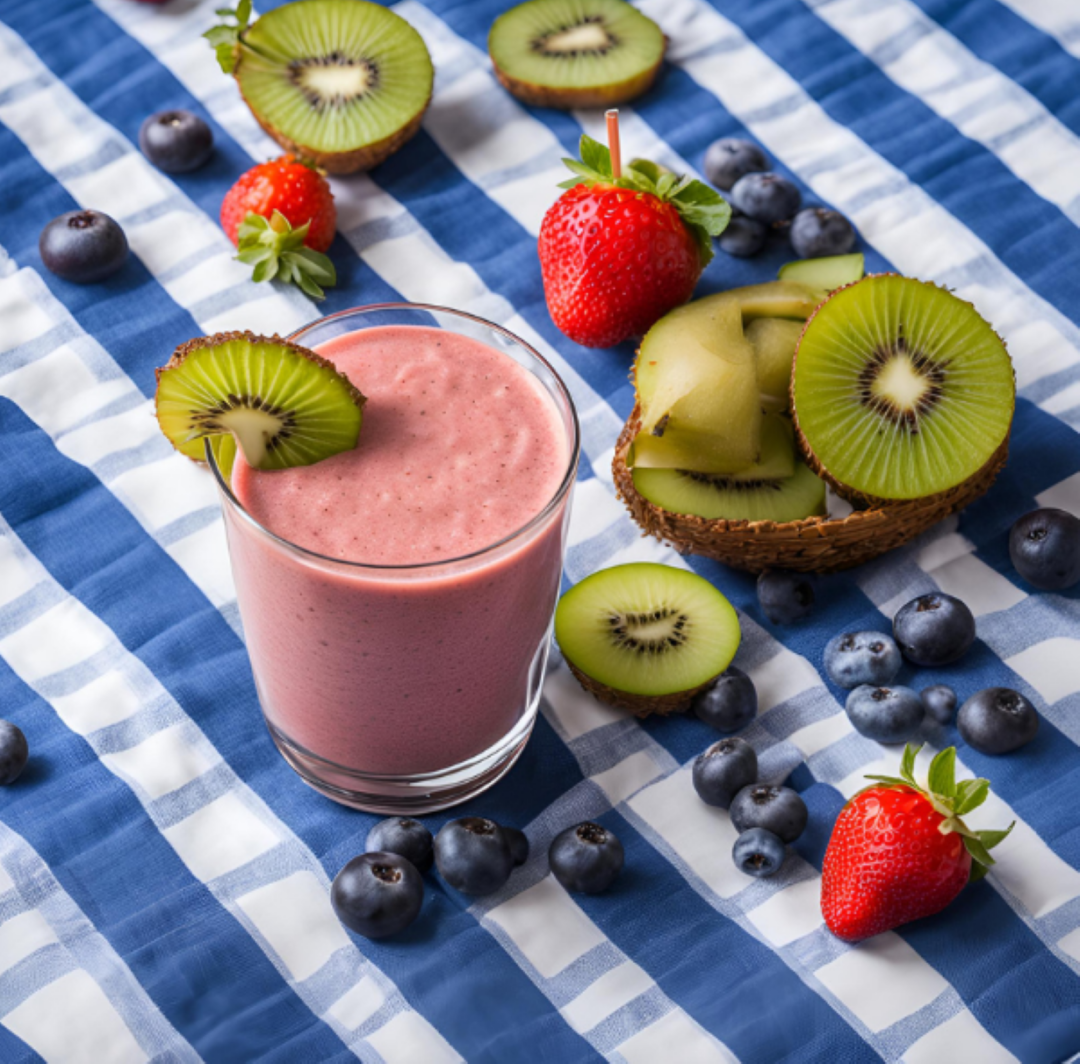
pixel 899 851
pixel 617 253
pixel 281 217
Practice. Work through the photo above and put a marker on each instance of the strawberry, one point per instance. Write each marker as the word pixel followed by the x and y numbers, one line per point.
pixel 899 851
pixel 617 254
pixel 281 216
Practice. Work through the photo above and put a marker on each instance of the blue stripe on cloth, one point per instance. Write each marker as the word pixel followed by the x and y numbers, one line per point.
pixel 1025 53
pixel 49 516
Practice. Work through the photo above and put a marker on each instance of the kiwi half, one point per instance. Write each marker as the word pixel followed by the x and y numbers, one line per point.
pixel 900 390
pixel 282 404
pixel 343 83
pixel 575 53
pixel 646 637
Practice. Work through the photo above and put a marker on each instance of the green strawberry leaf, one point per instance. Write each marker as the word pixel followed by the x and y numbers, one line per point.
pixel 990 839
pixel 891 781
pixel 227 37
pixel 703 210
pixel 276 250
pixel 978 851
pixel 942 777
pixel 970 794
pixel 907 762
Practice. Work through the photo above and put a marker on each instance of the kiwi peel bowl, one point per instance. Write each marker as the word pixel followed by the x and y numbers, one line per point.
pixel 812 545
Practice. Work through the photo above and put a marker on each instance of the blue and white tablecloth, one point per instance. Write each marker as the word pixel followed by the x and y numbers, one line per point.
pixel 164 875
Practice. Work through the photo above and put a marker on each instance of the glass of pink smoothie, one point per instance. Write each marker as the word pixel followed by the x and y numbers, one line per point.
pixel 397 598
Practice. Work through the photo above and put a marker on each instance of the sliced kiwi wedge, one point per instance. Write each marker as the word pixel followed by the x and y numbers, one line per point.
pixel 343 83
pixel 678 491
pixel 280 403
pixel 575 53
pixel 774 341
pixel 900 389
pixel 830 272
pixel 646 637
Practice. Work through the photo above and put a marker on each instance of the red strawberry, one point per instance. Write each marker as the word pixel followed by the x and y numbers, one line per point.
pixel 899 852
pixel 616 255
pixel 281 216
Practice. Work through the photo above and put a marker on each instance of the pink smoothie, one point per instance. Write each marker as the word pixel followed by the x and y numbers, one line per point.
pixel 407 671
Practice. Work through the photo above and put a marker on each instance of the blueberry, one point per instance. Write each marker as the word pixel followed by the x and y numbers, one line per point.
pixel 997 721
pixel 403 836
pixel 83 246
pixel 939 702
pixel 377 894
pixel 818 231
pixel 14 752
pixel 785 597
pixel 586 859
pixel 729 158
pixel 518 842
pixel 729 704
pixel 767 198
pixel 776 809
pixel 855 658
pixel 934 629
pixel 723 770
pixel 886 714
pixel 473 855
pixel 1045 548
pixel 176 141
pixel 743 237
pixel 758 853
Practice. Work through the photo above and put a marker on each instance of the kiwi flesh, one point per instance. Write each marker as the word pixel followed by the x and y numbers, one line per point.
pixel 795 498
pixel 646 637
pixel 283 404
pixel 830 272
pixel 575 53
pixel 342 83
pixel 900 390
pixel 774 341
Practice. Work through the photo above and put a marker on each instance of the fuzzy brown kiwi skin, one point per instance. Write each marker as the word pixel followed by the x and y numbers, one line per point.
pixel 812 545
pixel 201 342
pixel 570 99
pixel 945 499
pixel 639 705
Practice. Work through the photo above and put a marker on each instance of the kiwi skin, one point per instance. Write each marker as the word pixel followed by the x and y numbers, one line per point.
pixel 639 705
pixel 571 99
pixel 813 545
pixel 346 162
pixel 200 342
pixel 946 499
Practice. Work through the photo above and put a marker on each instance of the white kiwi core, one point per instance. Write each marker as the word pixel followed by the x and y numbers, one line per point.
pixel 901 383
pixel 586 37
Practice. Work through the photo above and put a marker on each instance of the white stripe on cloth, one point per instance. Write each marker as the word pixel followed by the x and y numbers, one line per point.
pixel 892 214
pixel 178 244
pixel 1056 18
pixel 107 1014
pixel 222 831
pixel 980 101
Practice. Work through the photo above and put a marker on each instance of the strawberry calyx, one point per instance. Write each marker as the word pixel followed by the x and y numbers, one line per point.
pixel 952 800
pixel 276 249
pixel 225 38
pixel 703 210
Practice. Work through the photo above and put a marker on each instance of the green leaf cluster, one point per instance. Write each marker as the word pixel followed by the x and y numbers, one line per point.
pixel 952 799
pixel 225 37
pixel 276 250
pixel 703 210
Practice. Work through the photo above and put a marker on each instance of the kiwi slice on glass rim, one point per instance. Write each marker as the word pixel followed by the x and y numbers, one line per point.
pixel 646 637
pixel 342 83
pixel 280 403
pixel 900 390
pixel 575 53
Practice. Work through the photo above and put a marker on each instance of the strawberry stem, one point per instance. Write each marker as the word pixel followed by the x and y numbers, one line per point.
pixel 612 117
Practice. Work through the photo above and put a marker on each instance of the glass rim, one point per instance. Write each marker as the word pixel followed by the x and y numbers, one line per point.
pixel 537 519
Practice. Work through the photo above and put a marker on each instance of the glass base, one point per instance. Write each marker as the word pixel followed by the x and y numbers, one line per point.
pixel 425 793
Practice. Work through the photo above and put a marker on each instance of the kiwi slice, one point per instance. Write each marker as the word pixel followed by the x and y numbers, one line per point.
pixel 900 389
pixel 344 83
pixel 575 53
pixel 774 341
pixel 830 272
pixel 678 491
pixel 646 637
pixel 281 403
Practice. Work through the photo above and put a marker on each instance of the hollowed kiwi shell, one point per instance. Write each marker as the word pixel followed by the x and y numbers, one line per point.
pixel 813 545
